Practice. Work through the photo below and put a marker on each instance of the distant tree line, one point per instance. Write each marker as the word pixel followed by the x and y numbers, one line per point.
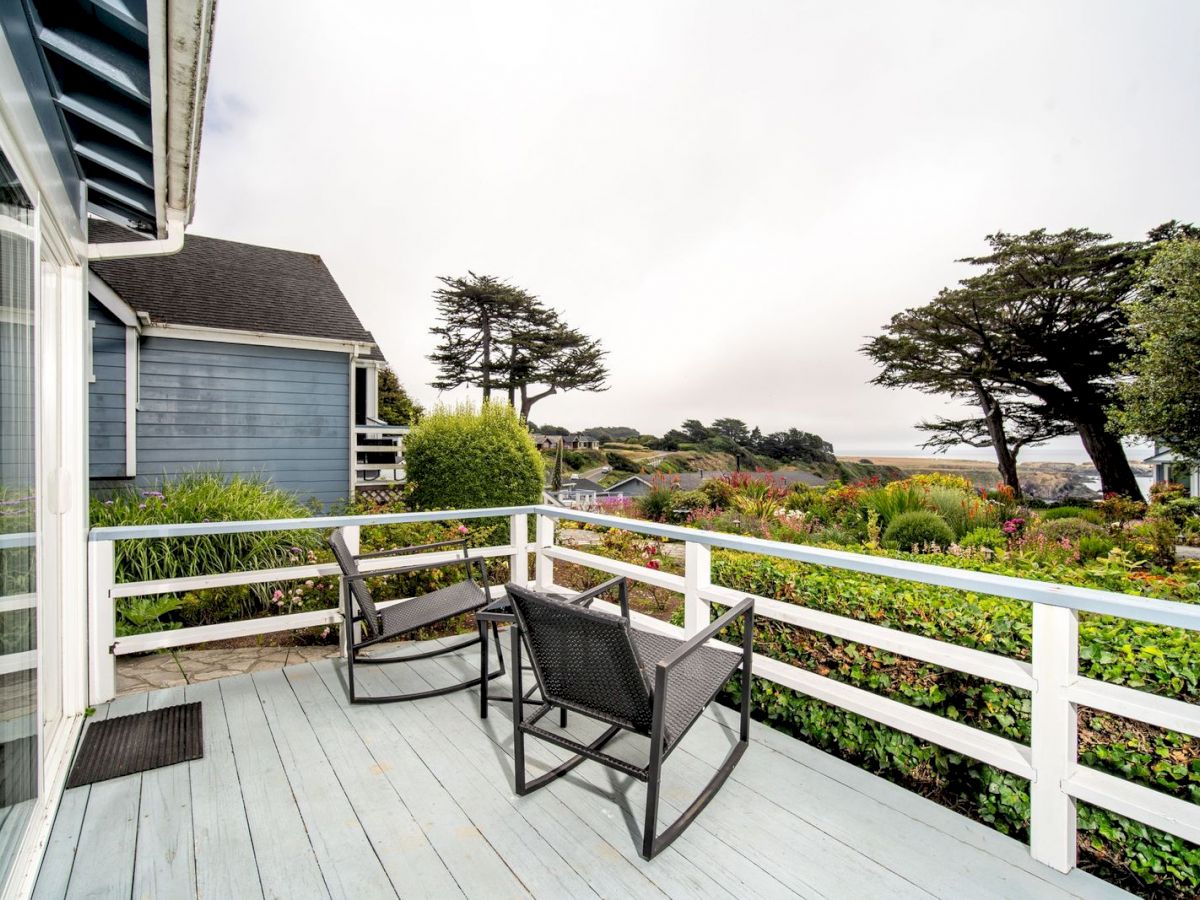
pixel 724 435
pixel 1048 339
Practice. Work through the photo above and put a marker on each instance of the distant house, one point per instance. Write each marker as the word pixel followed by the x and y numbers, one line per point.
pixel 580 442
pixel 639 485
pixel 235 358
pixel 569 441
pixel 1168 466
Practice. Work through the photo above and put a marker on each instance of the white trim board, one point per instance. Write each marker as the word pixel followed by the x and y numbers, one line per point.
pixel 261 338
pixel 112 301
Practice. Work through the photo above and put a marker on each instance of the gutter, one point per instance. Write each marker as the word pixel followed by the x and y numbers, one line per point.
pixel 172 243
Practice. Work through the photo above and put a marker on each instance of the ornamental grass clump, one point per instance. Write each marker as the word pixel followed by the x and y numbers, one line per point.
pixel 203 497
pixel 895 500
pixel 464 457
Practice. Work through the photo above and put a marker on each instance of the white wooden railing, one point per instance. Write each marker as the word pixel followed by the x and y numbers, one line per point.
pixel 1050 763
pixel 384 443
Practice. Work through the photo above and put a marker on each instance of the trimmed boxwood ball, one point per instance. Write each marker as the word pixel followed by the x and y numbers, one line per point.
pixel 466 458
pixel 918 529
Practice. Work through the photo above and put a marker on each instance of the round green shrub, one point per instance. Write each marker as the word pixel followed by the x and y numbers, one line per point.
pixel 1070 528
pixel 468 458
pixel 684 502
pixel 918 529
pixel 992 538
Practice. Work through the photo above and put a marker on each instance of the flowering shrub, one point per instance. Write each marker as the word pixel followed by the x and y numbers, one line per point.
pixel 1013 526
pixel 1117 508
pixel 943 480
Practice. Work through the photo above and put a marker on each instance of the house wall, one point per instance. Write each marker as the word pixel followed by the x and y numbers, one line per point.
pixel 106 395
pixel 277 412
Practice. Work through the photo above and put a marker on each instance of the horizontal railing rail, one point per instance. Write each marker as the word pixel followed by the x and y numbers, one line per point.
pixel 1050 762
pixel 373 441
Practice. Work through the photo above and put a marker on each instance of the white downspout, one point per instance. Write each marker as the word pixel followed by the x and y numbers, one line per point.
pixel 172 243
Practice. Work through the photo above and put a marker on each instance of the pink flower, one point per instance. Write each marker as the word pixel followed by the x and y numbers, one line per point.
pixel 278 595
pixel 462 529
pixel 308 583
pixel 325 633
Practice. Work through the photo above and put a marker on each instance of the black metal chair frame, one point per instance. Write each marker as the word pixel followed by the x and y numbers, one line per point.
pixel 358 609
pixel 501 612
pixel 653 841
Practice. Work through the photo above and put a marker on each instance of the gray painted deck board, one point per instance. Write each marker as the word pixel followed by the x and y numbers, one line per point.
pixel 104 858
pixel 287 865
pixel 165 861
pixel 300 794
pixel 224 849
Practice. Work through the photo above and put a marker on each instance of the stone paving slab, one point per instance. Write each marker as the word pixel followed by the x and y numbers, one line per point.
pixel 175 668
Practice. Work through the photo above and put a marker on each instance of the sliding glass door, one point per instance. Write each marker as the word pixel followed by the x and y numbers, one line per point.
pixel 19 511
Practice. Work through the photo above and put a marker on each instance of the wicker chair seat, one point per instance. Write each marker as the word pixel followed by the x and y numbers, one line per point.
pixel 419 612
pixel 692 685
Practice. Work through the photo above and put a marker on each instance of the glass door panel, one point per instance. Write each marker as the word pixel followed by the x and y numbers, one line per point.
pixel 19 752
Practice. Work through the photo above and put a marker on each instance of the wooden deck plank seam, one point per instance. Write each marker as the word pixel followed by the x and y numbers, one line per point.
pixel 420 670
pixel 449 797
pixel 1039 871
pixel 616 790
pixel 297 786
pixel 338 778
pixel 341 786
pixel 366 749
pixel 665 803
pixel 956 837
pixel 536 826
pixel 308 833
pixel 381 673
pixel 619 790
pixel 220 701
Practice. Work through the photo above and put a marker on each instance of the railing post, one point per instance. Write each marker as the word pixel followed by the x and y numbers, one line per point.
pixel 697 576
pixel 543 565
pixel 102 622
pixel 1055 742
pixel 518 536
pixel 352 536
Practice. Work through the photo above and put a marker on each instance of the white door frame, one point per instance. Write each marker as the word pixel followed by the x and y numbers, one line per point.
pixel 62 475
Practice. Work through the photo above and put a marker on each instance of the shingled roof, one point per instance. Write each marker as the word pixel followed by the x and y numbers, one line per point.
pixel 213 283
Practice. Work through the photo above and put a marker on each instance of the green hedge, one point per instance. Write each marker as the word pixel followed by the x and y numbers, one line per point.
pixel 1153 658
pixel 468 458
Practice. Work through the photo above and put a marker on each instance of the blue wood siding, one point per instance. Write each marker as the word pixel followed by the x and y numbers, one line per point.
pixel 275 412
pixel 106 395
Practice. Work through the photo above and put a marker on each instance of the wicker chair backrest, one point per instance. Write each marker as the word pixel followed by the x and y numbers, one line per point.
pixel 584 658
pixel 345 561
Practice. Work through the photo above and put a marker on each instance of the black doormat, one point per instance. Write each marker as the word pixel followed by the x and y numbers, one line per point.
pixel 147 740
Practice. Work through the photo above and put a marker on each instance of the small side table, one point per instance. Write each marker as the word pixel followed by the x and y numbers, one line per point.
pixel 499 612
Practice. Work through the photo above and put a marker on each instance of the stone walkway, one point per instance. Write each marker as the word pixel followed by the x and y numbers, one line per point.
pixel 174 668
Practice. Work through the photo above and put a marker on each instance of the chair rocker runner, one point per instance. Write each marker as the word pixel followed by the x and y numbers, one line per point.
pixel 392 621
pixel 598 665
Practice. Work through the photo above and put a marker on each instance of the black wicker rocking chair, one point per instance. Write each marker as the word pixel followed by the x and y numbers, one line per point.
pixel 390 622
pixel 596 664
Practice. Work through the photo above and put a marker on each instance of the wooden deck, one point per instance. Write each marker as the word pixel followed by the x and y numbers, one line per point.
pixel 301 795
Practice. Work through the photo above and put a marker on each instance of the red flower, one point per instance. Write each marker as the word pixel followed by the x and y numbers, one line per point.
pixel 653 564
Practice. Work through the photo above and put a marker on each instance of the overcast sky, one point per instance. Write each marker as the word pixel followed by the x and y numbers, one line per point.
pixel 731 195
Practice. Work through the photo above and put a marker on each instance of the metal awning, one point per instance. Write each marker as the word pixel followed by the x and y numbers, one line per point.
pixel 122 86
